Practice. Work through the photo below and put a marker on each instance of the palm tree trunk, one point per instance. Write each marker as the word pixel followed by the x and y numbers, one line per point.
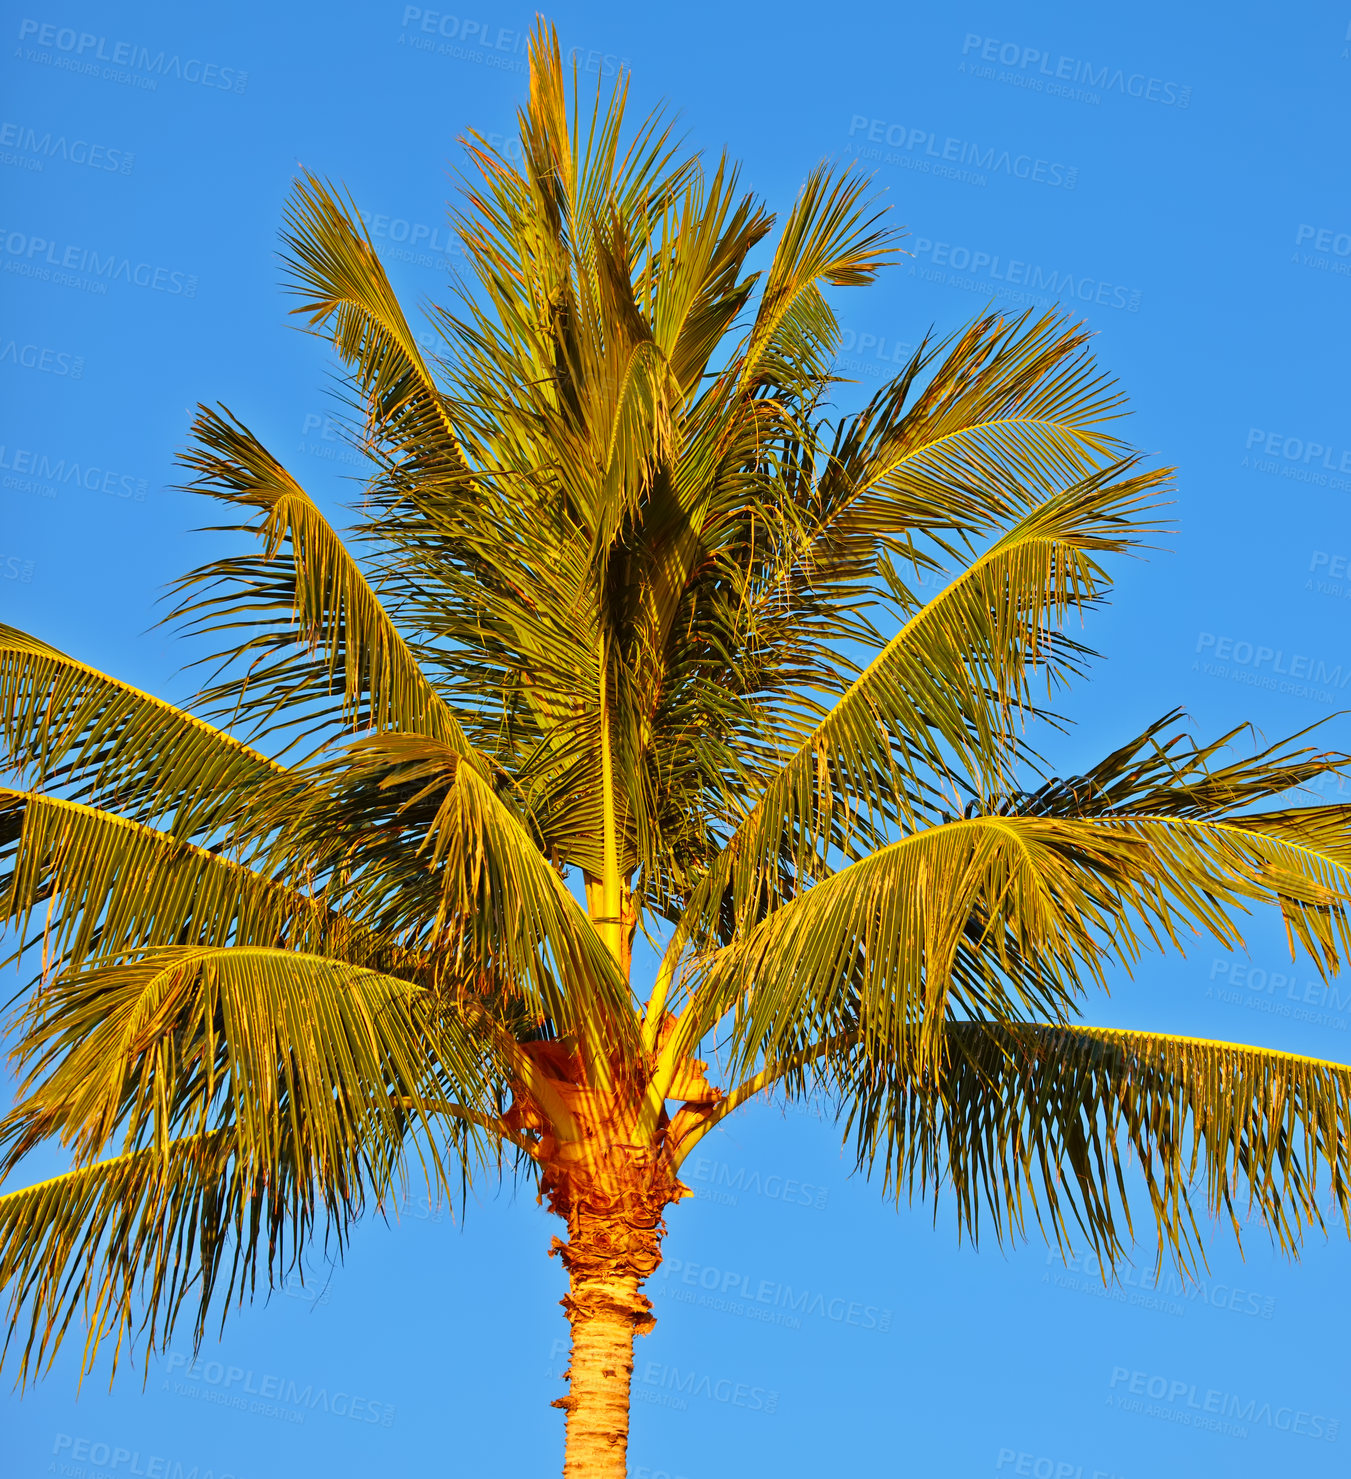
pixel 607 1266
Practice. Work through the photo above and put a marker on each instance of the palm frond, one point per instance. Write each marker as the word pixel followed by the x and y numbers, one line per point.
pixel 978 425
pixel 66 726
pixel 303 615
pixel 998 917
pixel 332 265
pixel 142 1230
pixel 291 1054
pixel 938 708
pixel 986 916
pixel 1051 1122
pixel 828 237
pixel 421 847
pixel 260 1097
pixel 114 886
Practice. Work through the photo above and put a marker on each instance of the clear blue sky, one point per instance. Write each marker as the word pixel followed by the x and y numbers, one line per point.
pixel 1182 173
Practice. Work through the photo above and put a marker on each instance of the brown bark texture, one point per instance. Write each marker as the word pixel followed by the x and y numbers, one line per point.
pixel 612 1186
pixel 607 1310
pixel 611 1183
pixel 613 1200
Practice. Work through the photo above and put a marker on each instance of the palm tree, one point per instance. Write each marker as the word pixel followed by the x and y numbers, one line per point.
pixel 635 644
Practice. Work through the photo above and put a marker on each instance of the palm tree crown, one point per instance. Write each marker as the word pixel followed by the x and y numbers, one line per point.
pixel 637 642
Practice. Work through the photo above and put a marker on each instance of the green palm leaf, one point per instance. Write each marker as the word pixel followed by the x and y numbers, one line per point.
pixel 114 886
pixel 421 846
pixel 132 1236
pixel 308 618
pixel 278 1045
pixel 332 265
pixel 259 1095
pixel 636 642
pixel 1048 1119
pixel 65 725
pixel 937 708
pixel 825 239
pixel 998 915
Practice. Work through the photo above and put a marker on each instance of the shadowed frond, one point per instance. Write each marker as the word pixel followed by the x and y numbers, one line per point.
pixel 1163 773
pixel 1052 1120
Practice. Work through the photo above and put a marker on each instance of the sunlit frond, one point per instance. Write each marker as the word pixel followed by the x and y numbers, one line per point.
pixel 332 265
pixel 938 713
pixel 826 239
pixel 111 886
pixel 121 1245
pixel 251 1098
pixel 66 726
pixel 1006 915
pixel 302 615
pixel 272 1042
